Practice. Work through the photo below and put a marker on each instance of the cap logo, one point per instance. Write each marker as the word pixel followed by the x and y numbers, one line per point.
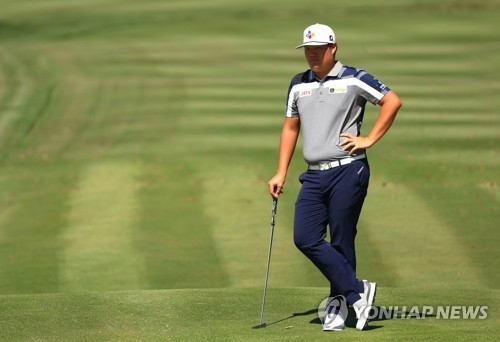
pixel 331 38
pixel 309 34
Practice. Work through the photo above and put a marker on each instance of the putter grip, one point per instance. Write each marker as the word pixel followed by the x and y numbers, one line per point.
pixel 275 207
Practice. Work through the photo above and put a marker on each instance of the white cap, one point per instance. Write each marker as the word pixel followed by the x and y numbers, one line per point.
pixel 317 34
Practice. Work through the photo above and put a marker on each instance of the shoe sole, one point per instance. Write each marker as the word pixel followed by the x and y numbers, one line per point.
pixel 334 329
pixel 370 301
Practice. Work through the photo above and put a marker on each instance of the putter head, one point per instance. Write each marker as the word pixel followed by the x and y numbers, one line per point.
pixel 262 325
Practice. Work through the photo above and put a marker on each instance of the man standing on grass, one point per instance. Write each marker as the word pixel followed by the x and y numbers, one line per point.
pixel 327 103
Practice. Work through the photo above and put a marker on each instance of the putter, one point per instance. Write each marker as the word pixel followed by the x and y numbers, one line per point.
pixel 273 222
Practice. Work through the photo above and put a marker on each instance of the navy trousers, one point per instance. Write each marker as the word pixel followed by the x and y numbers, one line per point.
pixel 332 198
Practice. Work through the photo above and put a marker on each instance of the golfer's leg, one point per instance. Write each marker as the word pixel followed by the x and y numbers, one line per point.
pixel 345 207
pixel 311 217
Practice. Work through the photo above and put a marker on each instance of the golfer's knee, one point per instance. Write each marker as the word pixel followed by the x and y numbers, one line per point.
pixel 304 245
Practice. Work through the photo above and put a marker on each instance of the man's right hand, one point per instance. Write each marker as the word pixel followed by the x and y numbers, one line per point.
pixel 276 185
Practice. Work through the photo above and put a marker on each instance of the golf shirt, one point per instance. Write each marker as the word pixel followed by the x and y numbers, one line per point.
pixel 330 107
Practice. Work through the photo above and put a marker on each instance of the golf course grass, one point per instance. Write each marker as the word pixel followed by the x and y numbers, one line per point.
pixel 229 315
pixel 137 138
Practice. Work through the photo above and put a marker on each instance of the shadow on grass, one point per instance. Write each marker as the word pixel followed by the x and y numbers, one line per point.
pixel 296 314
pixel 382 315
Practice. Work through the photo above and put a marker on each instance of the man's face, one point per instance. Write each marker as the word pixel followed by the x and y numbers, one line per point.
pixel 321 58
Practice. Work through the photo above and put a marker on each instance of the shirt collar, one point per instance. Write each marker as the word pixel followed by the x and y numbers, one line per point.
pixel 333 73
pixel 336 70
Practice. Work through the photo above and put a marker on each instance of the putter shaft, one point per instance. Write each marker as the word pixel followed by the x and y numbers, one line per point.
pixel 273 222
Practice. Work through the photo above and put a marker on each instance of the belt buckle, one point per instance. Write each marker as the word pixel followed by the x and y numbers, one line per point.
pixel 328 165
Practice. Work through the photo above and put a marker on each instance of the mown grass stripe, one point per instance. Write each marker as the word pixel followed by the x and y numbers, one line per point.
pixel 11 104
pixel 446 131
pixel 241 213
pixel 124 77
pixel 99 253
pixel 5 215
pixel 423 250
pixel 236 232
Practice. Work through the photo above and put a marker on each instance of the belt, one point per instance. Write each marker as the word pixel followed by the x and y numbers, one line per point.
pixel 322 166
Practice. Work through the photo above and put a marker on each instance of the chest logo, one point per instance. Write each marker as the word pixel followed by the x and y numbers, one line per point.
pixel 338 90
pixel 305 93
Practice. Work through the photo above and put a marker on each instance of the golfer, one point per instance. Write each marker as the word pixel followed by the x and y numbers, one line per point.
pixel 327 103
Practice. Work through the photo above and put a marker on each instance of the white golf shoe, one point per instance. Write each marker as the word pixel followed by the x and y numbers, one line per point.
pixel 363 306
pixel 335 313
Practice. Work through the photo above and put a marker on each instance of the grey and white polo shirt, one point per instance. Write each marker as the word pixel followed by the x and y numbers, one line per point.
pixel 330 107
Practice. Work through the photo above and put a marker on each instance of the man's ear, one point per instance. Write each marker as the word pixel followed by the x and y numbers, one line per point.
pixel 334 48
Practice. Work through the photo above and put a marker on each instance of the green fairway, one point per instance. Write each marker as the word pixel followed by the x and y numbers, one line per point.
pixel 229 314
pixel 137 138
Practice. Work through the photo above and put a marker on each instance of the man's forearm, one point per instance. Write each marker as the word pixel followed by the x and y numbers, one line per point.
pixel 386 117
pixel 288 141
